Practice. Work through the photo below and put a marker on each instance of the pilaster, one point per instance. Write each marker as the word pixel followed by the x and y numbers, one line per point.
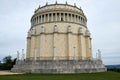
pixel 42 46
pixel 28 48
pixel 88 46
pixel 55 35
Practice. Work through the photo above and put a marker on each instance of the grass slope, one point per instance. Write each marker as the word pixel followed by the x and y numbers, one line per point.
pixel 83 76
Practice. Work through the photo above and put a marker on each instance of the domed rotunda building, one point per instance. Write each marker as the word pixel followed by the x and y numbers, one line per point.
pixel 59 41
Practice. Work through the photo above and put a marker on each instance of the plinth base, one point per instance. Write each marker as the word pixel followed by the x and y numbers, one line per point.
pixel 59 66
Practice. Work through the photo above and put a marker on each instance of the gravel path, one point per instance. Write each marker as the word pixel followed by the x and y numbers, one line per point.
pixel 7 73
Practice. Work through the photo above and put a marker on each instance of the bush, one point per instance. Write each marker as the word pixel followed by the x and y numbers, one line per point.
pixel 114 69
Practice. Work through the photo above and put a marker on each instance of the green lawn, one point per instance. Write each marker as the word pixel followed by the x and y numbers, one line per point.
pixel 83 76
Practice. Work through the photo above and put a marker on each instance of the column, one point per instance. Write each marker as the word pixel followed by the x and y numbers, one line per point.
pixel 64 17
pixel 74 18
pixel 56 16
pixel 44 18
pixel 48 17
pixel 51 16
pixel 68 18
pixel 41 19
pixel 59 16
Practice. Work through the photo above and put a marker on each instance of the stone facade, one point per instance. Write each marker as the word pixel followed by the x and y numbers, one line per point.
pixel 59 42
pixel 59 66
pixel 58 31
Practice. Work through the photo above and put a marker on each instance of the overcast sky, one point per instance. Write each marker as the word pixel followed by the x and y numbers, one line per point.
pixel 103 22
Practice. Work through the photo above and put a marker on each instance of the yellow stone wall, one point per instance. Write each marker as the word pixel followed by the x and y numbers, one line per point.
pixel 64 42
pixel 67 45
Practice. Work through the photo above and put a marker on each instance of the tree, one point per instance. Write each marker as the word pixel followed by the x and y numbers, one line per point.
pixel 7 63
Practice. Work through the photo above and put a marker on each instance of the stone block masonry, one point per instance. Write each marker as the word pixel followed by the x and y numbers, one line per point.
pixel 59 66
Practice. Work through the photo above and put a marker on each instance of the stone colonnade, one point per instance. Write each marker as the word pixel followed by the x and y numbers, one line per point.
pixel 58 16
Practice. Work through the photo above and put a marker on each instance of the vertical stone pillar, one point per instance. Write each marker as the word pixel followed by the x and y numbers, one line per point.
pixel 74 53
pixel 74 19
pixel 55 36
pixel 32 47
pixel 42 44
pixel 80 45
pixel 70 56
pixel 68 18
pixel 48 17
pixel 51 16
pixel 44 18
pixel 37 47
pixel 41 19
pixel 56 16
pixel 59 16
pixel 87 41
pixel 91 49
pixel 54 53
pixel 28 48
pixel 55 45
pixel 64 17
pixel 35 56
